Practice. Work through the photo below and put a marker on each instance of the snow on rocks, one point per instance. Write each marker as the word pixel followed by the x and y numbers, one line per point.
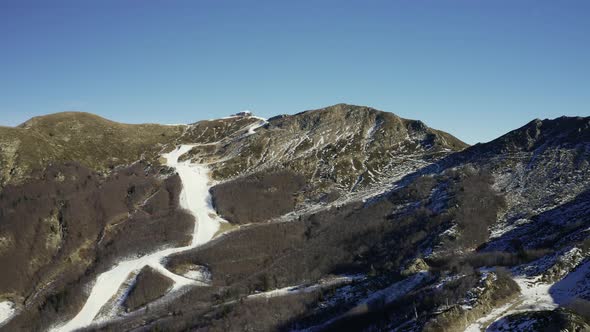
pixel 326 283
pixel 537 295
pixel 534 296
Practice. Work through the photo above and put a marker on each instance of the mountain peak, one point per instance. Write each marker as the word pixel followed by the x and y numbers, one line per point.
pixel 60 117
pixel 564 131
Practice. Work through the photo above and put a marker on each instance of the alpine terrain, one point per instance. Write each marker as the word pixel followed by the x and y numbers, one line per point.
pixel 344 218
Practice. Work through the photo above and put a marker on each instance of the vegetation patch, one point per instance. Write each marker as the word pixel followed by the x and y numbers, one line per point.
pixel 149 286
pixel 225 227
pixel 90 140
pixel 257 198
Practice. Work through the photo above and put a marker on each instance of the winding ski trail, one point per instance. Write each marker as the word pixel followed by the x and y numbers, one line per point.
pixel 196 199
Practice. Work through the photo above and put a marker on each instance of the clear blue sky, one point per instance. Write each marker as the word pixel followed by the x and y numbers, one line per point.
pixel 473 68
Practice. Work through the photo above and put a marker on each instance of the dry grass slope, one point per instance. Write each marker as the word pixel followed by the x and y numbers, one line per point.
pixel 90 140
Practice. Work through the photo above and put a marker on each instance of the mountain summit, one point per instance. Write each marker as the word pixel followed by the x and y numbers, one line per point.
pixel 341 148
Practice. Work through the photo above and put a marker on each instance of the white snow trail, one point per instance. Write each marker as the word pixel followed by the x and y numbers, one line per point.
pixel 195 198
pixel 7 311
pixel 252 129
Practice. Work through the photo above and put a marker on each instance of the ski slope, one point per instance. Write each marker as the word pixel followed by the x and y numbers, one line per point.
pixel 196 199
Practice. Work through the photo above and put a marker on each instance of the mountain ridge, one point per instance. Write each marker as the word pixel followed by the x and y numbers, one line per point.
pixel 339 217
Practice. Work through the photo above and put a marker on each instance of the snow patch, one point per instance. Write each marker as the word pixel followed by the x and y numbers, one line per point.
pixel 7 311
pixel 539 296
pixel 252 129
pixel 398 289
pixel 198 273
pixel 307 289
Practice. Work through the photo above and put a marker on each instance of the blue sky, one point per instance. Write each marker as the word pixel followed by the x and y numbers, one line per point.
pixel 474 68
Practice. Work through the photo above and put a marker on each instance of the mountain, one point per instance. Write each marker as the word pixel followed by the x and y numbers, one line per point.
pixel 539 167
pixel 92 141
pixel 341 218
pixel 343 152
